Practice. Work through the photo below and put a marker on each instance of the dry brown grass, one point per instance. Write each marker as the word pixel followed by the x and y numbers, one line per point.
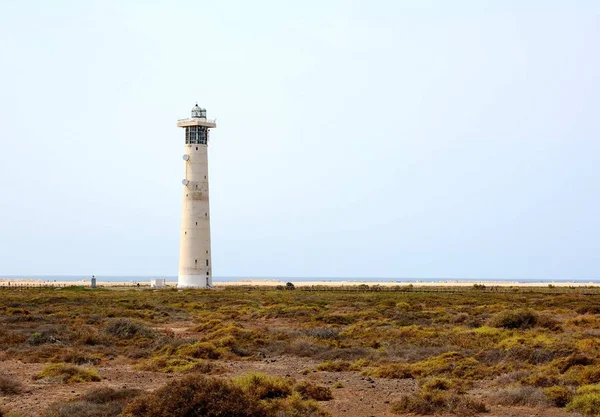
pixel 434 402
pixel 9 385
pixel 249 396
pixel 102 402
pixel 519 396
pixel 311 391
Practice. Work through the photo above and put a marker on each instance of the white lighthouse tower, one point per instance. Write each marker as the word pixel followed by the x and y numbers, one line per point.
pixel 195 267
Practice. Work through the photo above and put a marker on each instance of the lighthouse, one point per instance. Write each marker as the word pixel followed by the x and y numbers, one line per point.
pixel 195 267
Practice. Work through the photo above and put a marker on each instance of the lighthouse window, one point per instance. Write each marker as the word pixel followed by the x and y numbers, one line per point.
pixel 207 262
pixel 196 261
pixel 196 135
pixel 190 135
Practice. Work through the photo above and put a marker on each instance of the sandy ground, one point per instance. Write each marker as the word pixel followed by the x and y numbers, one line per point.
pixel 359 397
pixel 40 394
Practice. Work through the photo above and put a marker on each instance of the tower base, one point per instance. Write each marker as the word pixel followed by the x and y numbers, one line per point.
pixel 194 281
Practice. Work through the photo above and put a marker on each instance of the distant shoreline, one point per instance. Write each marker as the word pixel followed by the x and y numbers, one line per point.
pixel 6 282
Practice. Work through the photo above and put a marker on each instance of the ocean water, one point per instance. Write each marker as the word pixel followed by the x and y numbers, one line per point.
pixel 173 278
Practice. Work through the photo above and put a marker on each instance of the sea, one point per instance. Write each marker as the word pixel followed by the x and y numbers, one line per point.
pixel 172 278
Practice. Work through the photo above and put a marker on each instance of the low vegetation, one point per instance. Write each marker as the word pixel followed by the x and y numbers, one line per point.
pixel 102 402
pixel 252 395
pixel 127 329
pixel 439 396
pixel 586 401
pixel 461 348
pixel 9 386
pixel 310 391
pixel 519 396
pixel 518 319
pixel 68 373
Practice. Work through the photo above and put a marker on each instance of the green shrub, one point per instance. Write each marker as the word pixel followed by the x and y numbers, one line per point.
pixel 540 379
pixel 68 373
pixel 558 395
pixel 293 406
pixel 588 309
pixel 264 387
pixel 78 357
pixel 589 389
pixel 334 366
pixel 443 384
pixel 393 371
pixel 359 364
pixel 39 338
pixel 433 402
pixel 564 364
pixel 587 404
pixel 582 375
pixel 195 395
pixel 128 329
pixel 253 395
pixel 454 364
pixel 200 350
pixel 208 326
pixel 169 365
pixel 548 322
pixel 519 319
pixel 311 391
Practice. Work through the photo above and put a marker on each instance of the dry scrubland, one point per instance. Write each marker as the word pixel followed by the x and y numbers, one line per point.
pixel 318 353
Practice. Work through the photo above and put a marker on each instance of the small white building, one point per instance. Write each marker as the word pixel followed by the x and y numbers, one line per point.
pixel 158 283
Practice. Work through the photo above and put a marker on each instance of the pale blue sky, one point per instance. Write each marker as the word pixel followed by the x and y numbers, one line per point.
pixel 355 138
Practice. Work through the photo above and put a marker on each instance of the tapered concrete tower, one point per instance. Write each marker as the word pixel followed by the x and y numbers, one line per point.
pixel 195 267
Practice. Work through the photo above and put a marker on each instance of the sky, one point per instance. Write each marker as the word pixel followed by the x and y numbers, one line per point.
pixel 414 139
